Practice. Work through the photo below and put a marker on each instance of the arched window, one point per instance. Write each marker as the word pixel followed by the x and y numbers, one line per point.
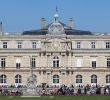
pixel 55 79
pixel 55 61
pixel 108 79
pixel 79 79
pixel 3 79
pixel 18 79
pixel 93 79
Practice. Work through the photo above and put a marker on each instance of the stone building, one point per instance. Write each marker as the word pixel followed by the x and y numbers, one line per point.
pixel 57 53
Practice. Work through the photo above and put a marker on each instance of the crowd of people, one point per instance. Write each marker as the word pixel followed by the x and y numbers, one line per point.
pixel 58 90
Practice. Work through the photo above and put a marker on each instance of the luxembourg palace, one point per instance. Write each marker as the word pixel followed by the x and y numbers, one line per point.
pixel 57 53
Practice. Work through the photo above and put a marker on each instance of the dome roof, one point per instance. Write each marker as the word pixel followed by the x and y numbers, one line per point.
pixel 56 15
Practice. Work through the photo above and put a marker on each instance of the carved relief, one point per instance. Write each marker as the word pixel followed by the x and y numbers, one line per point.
pixel 57 45
pixel 63 46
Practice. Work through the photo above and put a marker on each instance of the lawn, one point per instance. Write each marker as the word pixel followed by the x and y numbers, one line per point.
pixel 56 98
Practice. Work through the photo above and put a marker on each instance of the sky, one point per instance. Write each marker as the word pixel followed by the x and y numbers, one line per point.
pixel 23 15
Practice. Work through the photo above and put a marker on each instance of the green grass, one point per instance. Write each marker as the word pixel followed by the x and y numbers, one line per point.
pixel 56 98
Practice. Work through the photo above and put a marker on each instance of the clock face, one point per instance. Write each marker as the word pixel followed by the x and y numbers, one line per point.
pixel 56 29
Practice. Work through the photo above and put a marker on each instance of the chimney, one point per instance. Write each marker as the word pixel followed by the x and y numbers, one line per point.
pixel 1 33
pixel 43 23
pixel 71 23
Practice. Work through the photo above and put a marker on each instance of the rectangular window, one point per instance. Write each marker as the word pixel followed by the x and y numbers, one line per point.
pixel 18 63
pixel 3 63
pixel 33 63
pixel 34 45
pixel 78 62
pixel 4 44
pixel 108 62
pixel 56 63
pixel 19 44
pixel 78 45
pixel 107 44
pixel 94 63
pixel 92 44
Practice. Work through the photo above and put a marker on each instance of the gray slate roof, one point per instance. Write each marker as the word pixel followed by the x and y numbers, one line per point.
pixel 68 31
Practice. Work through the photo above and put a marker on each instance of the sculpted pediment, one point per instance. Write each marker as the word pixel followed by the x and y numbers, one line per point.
pixel 56 44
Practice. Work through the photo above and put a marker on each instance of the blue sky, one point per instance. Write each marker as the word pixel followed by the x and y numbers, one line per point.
pixel 21 15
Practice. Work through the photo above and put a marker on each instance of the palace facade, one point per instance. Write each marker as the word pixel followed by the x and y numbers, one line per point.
pixel 57 53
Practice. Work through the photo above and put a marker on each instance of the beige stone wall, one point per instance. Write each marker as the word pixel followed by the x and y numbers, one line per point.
pixel 44 57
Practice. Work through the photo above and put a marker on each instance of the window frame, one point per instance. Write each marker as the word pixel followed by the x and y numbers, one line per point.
pixel 33 63
pixel 107 78
pixel 93 64
pixel 78 44
pixel 3 63
pixel 108 62
pixel 5 45
pixel 56 79
pixel 56 62
pixel 18 78
pixel 78 78
pixel 19 44
pixel 3 78
pixel 34 44
pixel 93 45
pixel 107 45
pixel 94 78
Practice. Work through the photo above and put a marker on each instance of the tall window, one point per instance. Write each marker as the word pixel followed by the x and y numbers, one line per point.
pixel 79 79
pixel 92 44
pixel 18 63
pixel 78 45
pixel 19 44
pixel 34 45
pixel 94 63
pixel 78 62
pixel 55 79
pixel 107 44
pixel 55 61
pixel 108 79
pixel 18 79
pixel 3 63
pixel 93 79
pixel 108 62
pixel 3 79
pixel 33 63
pixel 4 44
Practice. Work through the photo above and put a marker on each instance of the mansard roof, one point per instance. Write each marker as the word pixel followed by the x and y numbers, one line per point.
pixel 57 28
pixel 67 32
